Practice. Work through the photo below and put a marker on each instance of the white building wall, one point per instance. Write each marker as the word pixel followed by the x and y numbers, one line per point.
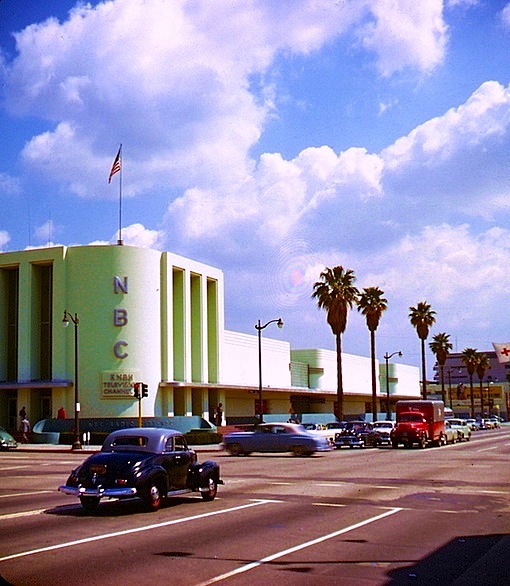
pixel 407 381
pixel 241 361
pixel 356 370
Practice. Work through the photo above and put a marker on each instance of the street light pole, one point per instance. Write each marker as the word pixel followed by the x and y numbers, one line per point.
pixel 69 316
pixel 387 359
pixel 259 329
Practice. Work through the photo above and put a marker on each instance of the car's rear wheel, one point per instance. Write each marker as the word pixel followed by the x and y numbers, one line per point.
pixel 212 490
pixel 300 451
pixel 235 450
pixel 153 496
pixel 90 503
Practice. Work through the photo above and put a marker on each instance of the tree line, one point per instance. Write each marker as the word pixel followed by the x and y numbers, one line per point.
pixel 336 293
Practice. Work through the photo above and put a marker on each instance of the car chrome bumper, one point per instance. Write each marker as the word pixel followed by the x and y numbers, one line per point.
pixel 99 491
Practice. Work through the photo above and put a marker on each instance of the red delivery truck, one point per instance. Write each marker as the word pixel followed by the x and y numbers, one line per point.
pixel 419 422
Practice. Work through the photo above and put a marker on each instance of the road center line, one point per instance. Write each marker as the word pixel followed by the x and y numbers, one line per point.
pixel 285 552
pixel 4 496
pixel 22 514
pixel 21 554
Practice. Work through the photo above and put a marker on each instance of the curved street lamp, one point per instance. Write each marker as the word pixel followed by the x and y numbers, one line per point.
pixel 69 316
pixel 387 359
pixel 259 327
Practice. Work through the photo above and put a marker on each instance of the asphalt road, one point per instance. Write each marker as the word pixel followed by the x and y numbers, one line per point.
pixel 372 516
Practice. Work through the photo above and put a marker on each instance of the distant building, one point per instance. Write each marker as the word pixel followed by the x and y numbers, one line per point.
pixel 154 317
pixel 495 386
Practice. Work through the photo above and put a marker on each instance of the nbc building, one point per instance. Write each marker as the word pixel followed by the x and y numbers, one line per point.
pixel 141 315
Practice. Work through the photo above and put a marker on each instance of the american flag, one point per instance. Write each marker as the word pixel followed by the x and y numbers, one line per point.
pixel 117 163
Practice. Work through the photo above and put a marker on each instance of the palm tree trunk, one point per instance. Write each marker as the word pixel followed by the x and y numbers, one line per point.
pixel 423 373
pixel 443 392
pixel 472 396
pixel 339 411
pixel 374 379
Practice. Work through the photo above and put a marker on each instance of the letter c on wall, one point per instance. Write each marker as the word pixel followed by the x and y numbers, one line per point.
pixel 118 349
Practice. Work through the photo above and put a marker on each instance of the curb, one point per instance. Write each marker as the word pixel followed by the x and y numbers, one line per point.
pixel 62 449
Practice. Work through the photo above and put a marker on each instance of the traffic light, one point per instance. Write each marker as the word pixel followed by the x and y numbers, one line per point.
pixel 145 390
pixel 136 390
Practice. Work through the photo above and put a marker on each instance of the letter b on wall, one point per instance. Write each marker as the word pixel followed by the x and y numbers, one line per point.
pixel 120 317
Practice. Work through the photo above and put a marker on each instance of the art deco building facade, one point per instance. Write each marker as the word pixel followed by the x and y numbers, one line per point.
pixel 154 317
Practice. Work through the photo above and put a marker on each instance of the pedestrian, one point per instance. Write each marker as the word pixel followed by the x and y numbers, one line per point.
pixel 25 429
pixel 61 414
pixel 218 416
pixel 22 413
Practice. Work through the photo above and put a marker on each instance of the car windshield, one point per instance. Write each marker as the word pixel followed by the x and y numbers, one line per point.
pixel 411 418
pixel 383 424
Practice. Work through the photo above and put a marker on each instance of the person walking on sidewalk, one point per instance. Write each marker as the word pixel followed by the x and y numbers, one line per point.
pixel 25 429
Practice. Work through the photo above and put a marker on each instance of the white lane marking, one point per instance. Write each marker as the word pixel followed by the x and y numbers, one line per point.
pixel 22 514
pixel 299 547
pixel 21 554
pixel 4 496
pixel 3 468
pixel 487 449
pixel 336 484
pixel 328 505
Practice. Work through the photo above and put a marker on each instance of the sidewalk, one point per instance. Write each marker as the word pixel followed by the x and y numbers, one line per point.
pixel 89 449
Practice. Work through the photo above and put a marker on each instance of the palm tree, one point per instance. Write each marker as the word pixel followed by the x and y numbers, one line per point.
pixel 483 364
pixel 422 317
pixel 470 358
pixel 441 347
pixel 372 304
pixel 336 294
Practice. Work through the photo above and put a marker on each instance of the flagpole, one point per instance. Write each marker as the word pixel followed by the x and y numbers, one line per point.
pixel 119 241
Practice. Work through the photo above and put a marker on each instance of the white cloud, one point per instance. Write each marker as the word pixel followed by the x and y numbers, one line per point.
pixel 46 232
pixel 486 113
pixel 173 81
pixel 505 16
pixel 406 34
pixel 4 239
pixel 9 185
pixel 138 235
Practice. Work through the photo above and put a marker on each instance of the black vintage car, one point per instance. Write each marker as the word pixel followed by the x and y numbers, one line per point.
pixel 357 434
pixel 146 463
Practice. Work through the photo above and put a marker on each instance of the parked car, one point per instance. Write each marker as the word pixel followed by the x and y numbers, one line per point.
pixel 332 428
pixel 473 424
pixel 314 427
pixel 357 434
pixel 384 428
pixel 7 442
pixel 146 463
pixel 451 434
pixel 495 422
pixel 275 437
pixel 462 427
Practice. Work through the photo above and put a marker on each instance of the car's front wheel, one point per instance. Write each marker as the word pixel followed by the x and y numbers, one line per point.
pixel 89 503
pixel 209 494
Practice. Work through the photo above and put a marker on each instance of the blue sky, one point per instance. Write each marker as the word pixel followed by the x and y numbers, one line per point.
pixel 272 139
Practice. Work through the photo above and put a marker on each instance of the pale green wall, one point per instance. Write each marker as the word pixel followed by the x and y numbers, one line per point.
pixel 91 293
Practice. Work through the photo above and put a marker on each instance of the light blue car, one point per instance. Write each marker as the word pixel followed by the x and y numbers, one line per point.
pixel 275 437
pixel 6 440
